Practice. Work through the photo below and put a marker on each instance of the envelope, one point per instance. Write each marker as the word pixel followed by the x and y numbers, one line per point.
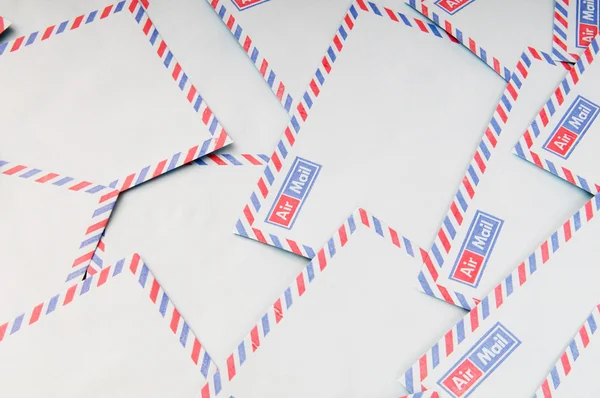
pixel 575 25
pixel 115 334
pixel 563 137
pixel 250 113
pixel 285 39
pixel 497 216
pixel 509 342
pixel 355 307
pixel 481 26
pixel 4 24
pixel 60 112
pixel 34 206
pixel 181 224
pixel 575 373
pixel 361 138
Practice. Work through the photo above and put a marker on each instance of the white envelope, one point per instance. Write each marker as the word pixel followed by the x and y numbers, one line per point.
pixel 60 111
pixel 575 25
pixel 112 335
pixel 347 325
pixel 565 134
pixel 368 138
pixel 483 27
pixel 251 115
pixel 51 225
pixel 285 39
pixel 182 224
pixel 497 216
pixel 575 373
pixel 507 344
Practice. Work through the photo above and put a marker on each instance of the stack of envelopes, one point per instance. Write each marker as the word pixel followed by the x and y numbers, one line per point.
pixel 283 198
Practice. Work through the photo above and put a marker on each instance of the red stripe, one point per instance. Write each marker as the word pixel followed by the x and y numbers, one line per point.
pixel 326 65
pixel 559 97
pixel 322 259
pixel 101 245
pixel 259 235
pixel 231 367
pixel 449 342
pixel 536 159
pixel 127 183
pixel 196 351
pixel 421 25
pixel 191 154
pixel 501 113
pixel 445 295
pixel 290 136
pixel 77 22
pixel 569 175
pixel 491 137
pixel 544 117
pixel 588 55
pixel 154 291
pixel 522 274
pixel 302 111
pixel 82 259
pixel 109 196
pixel 534 53
pixel 280 91
pixel 448 27
pixel 14 170
pixel 546 389
pixel 474 316
pixel 217 159
pixel 262 187
pixel 300 284
pixel 338 43
pixel 80 186
pixel 585 339
pixel 430 267
pixel 456 213
pixel 254 161
pixel 391 14
pixel 106 11
pixel 567 230
pixel 589 211
pixel 174 320
pixel 248 215
pixel 214 3
pixel 221 140
pixel 247 44
pixel 263 67
pixel 206 390
pixel 364 218
pixel 3 330
pixel 498 294
pixel 444 240
pixel 497 67
pixel 294 247
pixel 394 236
pixel 479 162
pixel 176 71
pixel 566 364
pixel 191 93
pixel 362 5
pixel 468 187
pixel 69 295
pixel 342 235
pixel 574 75
pixel 278 311
pixel 545 254
pixel 48 32
pixel 159 168
pixel 512 91
pixel 423 367
pixel 276 161
pixel 314 87
pixel 91 271
pixel 528 139
pixel 560 19
pixel 206 115
pixel 161 48
pixel 133 5
pixel 103 277
pixel 254 338
pixel 36 313
pixel 145 3
pixel 230 22
pixel 147 27
pixel 97 226
pixel 472 46
pixel 349 21
pixel 134 263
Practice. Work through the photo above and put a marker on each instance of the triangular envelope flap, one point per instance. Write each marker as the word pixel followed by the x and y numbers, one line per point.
pixel 477 24
pixel 366 110
pixel 43 227
pixel 541 304
pixel 357 326
pixel 60 111
pixel 182 223
pixel 497 217
pixel 253 115
pixel 97 342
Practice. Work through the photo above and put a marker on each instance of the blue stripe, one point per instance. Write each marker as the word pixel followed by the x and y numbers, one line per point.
pixel 437 254
pixel 139 15
pixel 460 331
pixel 550 106
pixel 198 103
pixel 265 324
pixel 308 100
pixel 254 55
pixel 461 201
pixel 377 226
pixel 276 241
pixel 577 221
pixel 295 124
pixel 449 227
pixel 555 378
pixel 31 38
pixel 62 27
pixel 463 301
pixel 271 79
pixel 408 380
pixel 331 54
pixel 495 126
pixel 485 150
pixel 483 55
pixel 592 324
pixel 90 240
pixel 574 350
pixel 584 184
pixel 310 272
pixel 119 7
pixel 435 355
pixel 30 173
pixel 173 162
pixel 184 334
pixel 168 58
pixel 473 175
pixel 164 302
pixel 242 352
pixel 485 308
pixel 342 32
pixel 404 19
pixel 269 175
pixel 118 267
pixel 320 77
pixel 288 103
pixel 282 149
pixel 509 285
pixel 351 224
pixel 255 201
pixel 238 32
pixel 206 365
pixel 551 168
pixel 532 263
pixel 95 189
pixel 17 324
pixel 85 286
pixel 153 36
pixel 91 17
pixel 506 102
pixel 331 247
pixel 240 229
pixel 561 9
pixel 408 246
pixel 565 86
pixel 183 81
pixel 309 251
pixel 232 159
pixel 425 285
pixel 52 304
pixel 62 181
pixel 143 275
pixel 288 298
pixel 375 9
pixel 554 242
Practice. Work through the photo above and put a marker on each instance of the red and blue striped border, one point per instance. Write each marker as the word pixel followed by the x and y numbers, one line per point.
pixel 560 31
pixel 414 377
pixel 523 147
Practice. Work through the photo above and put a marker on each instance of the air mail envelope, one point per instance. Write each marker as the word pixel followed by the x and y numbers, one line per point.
pixel 364 138
pixel 344 325
pixel 60 111
pixel 564 136
pixel 103 337
pixel 250 113
pixel 51 225
pixel 495 30
pixel 508 344
pixel 497 217
pixel 182 224
pixel 576 24
pixel 575 373
pixel 285 39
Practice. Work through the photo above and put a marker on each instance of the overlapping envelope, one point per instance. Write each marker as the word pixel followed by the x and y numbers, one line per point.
pixel 576 24
pixel 497 31
pixel 361 138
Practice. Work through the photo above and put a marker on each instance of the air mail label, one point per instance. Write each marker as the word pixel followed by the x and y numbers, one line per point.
pixel 587 21
pixel 572 127
pixel 476 249
pixel 293 193
pixel 453 6
pixel 245 4
pixel 479 362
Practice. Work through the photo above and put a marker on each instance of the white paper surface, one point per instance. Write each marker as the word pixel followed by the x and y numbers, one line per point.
pixel 293 35
pixel 511 190
pixel 222 72
pixel 576 150
pixel 544 315
pixel 503 28
pixel 352 333
pixel 375 138
pixel 61 114
pixel 110 342
pixel 35 259
pixel 181 223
